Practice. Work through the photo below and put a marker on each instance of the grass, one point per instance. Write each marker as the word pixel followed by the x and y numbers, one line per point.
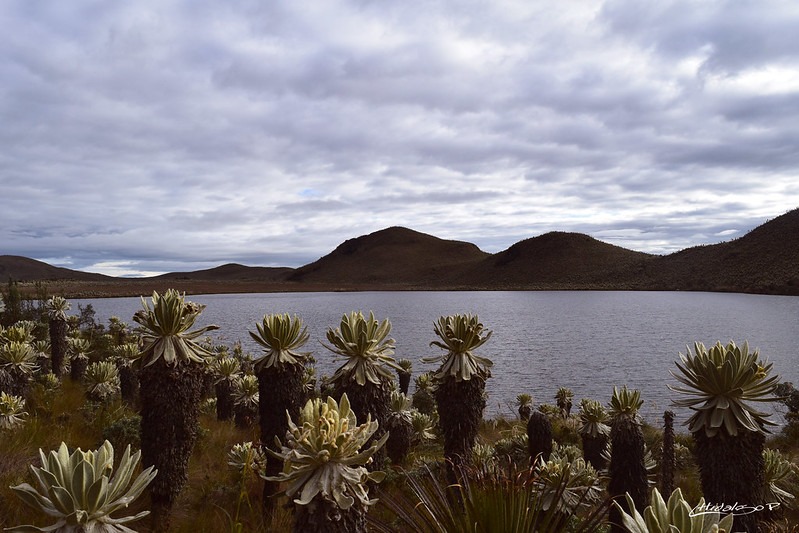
pixel 216 498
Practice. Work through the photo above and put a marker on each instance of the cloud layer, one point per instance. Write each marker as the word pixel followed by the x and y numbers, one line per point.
pixel 144 137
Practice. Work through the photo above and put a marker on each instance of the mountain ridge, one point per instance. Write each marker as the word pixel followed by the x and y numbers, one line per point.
pixel 764 260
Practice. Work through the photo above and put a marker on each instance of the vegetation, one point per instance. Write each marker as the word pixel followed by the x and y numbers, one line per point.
pixel 280 368
pixel 497 489
pixel 80 491
pixel 171 372
pixel 720 383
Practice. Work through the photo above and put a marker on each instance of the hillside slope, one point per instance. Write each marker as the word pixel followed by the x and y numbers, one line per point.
pixel 232 272
pixel 20 268
pixel 393 256
pixel 559 260
pixel 765 260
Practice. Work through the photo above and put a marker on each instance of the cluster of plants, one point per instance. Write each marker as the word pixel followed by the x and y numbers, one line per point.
pixel 276 449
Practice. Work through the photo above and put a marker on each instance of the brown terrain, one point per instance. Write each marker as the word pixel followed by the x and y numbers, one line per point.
pixel 765 260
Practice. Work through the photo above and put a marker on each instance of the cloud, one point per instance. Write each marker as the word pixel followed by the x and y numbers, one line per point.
pixel 149 136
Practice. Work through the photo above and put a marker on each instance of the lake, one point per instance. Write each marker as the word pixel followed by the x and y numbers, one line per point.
pixel 588 341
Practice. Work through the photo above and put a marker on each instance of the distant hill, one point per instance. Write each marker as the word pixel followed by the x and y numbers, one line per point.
pixel 765 260
pixel 559 260
pixel 232 272
pixel 20 268
pixel 393 256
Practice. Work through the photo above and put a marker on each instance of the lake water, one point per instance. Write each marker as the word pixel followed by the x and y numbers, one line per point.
pixel 588 341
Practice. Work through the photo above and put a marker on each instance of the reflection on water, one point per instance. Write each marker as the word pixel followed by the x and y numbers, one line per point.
pixel 588 341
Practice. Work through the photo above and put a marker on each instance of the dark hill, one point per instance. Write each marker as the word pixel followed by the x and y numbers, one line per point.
pixel 559 260
pixel 393 256
pixel 232 272
pixel 765 260
pixel 20 268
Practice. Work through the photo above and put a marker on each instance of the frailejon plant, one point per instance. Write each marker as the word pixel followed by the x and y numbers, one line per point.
pixel 720 384
pixel 779 473
pixel 280 367
pixel 366 376
pixel 563 399
pixel 81 490
pixel 404 375
pixel 12 411
pixel 57 308
pixel 460 382
pixel 594 432
pixel 627 468
pixel 324 460
pixel 101 381
pixel 226 370
pixel 524 402
pixel 124 355
pixel 676 515
pixel 172 369
pixel 399 427
pixel 246 399
pixel 79 358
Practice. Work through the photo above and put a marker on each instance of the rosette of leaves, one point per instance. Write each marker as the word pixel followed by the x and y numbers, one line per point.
pixel 567 484
pixel 172 379
pixel 627 467
pixel 101 381
pixel 281 336
pixel 226 371
pixel 720 383
pixel 399 427
pixel 524 402
pixel 460 335
pixel 280 368
pixel 79 358
pixel 594 431
pixel 780 475
pixel 675 515
pixel 42 349
pixel 563 399
pixel 245 458
pixel 81 490
pixel 57 308
pixel 21 331
pixel 124 356
pixel 423 399
pixel 423 427
pixel 460 384
pixel 18 362
pixel 246 399
pixel 164 329
pixel 404 375
pixel 323 466
pixel 12 411
pixel 364 343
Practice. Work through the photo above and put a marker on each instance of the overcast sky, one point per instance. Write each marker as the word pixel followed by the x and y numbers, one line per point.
pixel 152 136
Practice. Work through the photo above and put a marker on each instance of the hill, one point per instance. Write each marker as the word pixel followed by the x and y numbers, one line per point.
pixel 559 260
pixel 20 268
pixel 231 272
pixel 394 256
pixel 765 260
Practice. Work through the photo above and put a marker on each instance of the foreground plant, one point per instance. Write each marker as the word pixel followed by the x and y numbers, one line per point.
pixel 675 515
pixel 594 432
pixel 366 376
pixel 627 468
pixel 171 371
pixel 57 308
pixel 102 381
pixel 12 411
pixel 280 368
pixel 720 384
pixel 323 467
pixel 492 498
pixel 18 363
pixel 81 492
pixel 460 382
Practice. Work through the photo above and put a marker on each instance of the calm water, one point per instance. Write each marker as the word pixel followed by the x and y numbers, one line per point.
pixel 587 341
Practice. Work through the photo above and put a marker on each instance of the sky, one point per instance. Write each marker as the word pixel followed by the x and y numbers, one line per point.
pixel 155 136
